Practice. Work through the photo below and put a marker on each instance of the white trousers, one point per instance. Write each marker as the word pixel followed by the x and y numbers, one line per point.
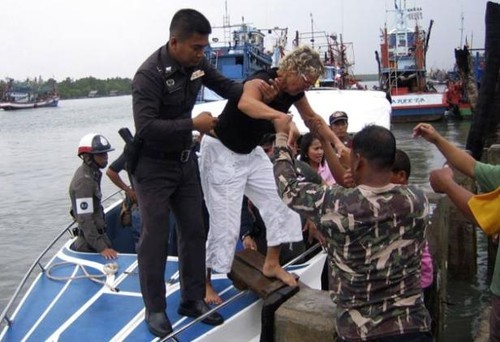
pixel 225 177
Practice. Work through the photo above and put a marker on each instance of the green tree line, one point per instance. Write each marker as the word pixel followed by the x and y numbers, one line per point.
pixel 70 88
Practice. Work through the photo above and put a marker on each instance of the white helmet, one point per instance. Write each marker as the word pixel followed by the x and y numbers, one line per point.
pixel 94 143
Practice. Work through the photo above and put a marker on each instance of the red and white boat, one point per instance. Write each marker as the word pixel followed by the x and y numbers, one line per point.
pixel 402 69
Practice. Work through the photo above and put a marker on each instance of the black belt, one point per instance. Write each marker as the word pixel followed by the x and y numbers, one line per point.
pixel 79 232
pixel 181 156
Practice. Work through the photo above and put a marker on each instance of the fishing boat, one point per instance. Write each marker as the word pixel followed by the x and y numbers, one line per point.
pixel 82 296
pixel 237 51
pixel 402 68
pixel 25 96
pixel 337 56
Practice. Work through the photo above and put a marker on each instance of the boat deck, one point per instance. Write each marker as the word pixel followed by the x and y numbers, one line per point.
pixel 63 310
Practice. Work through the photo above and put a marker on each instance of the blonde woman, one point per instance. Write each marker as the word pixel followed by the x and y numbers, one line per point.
pixel 233 164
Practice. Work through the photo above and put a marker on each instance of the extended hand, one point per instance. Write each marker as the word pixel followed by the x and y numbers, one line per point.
pixel 131 194
pixel 282 124
pixel 270 90
pixel 426 131
pixel 440 178
pixel 314 233
pixel 204 122
pixel 109 253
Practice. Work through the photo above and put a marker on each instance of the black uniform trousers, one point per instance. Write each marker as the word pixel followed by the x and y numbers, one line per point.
pixel 163 185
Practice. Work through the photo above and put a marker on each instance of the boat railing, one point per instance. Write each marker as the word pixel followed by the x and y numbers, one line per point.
pixel 173 336
pixel 4 318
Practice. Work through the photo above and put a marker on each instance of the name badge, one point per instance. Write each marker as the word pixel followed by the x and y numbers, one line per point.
pixel 197 74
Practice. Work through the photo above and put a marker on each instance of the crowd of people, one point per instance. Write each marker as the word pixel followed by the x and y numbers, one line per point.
pixel 349 193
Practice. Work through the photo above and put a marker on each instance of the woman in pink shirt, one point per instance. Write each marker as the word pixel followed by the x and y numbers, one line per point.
pixel 312 153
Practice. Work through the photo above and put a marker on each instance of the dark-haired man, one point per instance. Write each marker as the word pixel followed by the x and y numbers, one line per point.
pixel 338 124
pixel 164 92
pixel 374 236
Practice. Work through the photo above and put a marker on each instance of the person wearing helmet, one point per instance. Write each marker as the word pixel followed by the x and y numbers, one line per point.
pixel 85 194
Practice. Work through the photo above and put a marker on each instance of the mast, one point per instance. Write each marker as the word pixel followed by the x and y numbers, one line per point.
pixel 461 29
pixel 226 25
pixel 312 30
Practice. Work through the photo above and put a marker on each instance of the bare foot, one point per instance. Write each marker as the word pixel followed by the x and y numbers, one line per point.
pixel 278 272
pixel 211 296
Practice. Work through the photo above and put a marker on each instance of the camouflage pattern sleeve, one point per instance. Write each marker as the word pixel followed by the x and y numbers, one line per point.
pixel 303 197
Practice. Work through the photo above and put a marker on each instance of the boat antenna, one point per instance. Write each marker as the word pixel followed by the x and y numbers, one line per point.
pixel 461 29
pixel 312 30
pixel 226 25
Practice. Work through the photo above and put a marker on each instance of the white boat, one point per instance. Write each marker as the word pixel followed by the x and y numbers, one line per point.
pixel 363 107
pixel 63 304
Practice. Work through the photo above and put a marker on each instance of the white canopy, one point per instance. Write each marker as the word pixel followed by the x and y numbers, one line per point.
pixel 363 107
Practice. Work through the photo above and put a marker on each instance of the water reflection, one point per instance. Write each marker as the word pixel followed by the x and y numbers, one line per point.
pixel 424 156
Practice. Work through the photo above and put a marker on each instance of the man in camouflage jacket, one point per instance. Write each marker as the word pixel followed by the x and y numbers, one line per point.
pixel 374 234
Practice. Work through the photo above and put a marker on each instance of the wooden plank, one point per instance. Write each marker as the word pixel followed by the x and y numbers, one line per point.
pixel 246 272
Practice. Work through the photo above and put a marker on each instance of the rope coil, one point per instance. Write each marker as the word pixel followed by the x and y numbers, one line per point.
pixel 108 269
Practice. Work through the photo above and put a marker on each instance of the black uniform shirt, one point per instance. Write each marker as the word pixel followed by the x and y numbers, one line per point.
pixel 241 133
pixel 119 164
pixel 164 94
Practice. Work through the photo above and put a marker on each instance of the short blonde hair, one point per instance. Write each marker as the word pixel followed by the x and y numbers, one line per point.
pixel 303 60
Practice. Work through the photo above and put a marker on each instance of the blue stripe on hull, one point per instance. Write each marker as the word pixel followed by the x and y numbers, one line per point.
pixel 417 114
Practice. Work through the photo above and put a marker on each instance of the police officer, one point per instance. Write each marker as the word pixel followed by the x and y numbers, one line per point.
pixel 85 194
pixel 165 89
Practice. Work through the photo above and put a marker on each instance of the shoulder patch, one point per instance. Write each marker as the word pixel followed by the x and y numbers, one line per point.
pixel 84 205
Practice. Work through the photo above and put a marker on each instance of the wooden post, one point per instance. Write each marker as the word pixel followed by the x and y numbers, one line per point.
pixel 462 263
pixel 437 236
pixel 492 157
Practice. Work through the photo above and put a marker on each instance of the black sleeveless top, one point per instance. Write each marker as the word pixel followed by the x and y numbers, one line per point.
pixel 241 133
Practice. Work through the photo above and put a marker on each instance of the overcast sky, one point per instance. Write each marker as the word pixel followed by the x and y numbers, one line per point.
pixel 111 38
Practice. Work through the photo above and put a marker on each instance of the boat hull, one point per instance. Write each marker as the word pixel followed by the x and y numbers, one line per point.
pixel 52 102
pixel 418 107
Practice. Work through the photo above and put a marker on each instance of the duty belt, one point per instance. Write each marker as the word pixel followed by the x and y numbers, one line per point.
pixel 181 156
pixel 78 232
